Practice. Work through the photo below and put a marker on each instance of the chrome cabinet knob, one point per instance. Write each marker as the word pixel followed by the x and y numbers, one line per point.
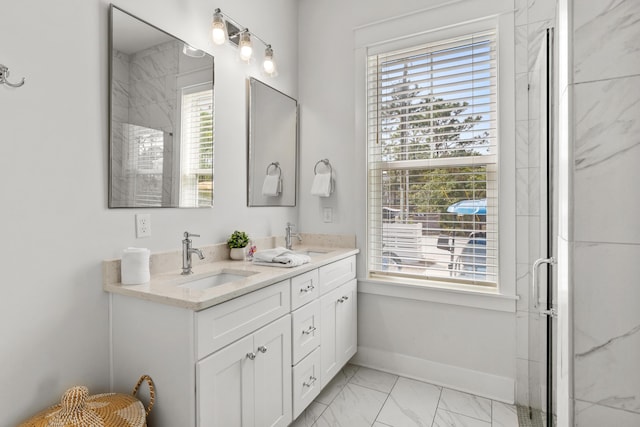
pixel 262 349
pixel 251 356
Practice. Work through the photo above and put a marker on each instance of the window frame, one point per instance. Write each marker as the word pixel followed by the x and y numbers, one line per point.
pixel 424 27
pixel 377 163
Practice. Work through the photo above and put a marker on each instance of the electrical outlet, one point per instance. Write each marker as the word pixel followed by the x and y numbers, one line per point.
pixel 327 215
pixel 143 225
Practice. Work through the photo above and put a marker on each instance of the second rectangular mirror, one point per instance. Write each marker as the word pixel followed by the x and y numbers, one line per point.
pixel 273 146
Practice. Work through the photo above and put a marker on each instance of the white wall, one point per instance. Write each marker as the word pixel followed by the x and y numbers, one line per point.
pixel 54 223
pixel 464 347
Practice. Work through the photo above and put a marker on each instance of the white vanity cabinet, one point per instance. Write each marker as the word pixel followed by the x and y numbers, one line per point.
pixel 255 360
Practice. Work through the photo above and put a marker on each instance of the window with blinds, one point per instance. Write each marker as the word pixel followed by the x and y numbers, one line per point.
pixel 144 163
pixel 196 150
pixel 432 161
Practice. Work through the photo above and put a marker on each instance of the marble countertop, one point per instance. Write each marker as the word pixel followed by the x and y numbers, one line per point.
pixel 165 287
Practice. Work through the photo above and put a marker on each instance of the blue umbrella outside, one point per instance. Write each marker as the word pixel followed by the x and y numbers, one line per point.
pixel 469 207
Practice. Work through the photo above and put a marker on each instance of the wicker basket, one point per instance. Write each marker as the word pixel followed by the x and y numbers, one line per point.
pixel 78 409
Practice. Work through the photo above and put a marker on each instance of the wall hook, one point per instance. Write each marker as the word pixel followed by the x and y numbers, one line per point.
pixel 4 75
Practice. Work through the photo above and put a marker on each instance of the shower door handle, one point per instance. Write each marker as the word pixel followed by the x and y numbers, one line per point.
pixel 534 277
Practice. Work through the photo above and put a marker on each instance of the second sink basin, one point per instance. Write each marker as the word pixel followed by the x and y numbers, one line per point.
pixel 217 279
pixel 311 252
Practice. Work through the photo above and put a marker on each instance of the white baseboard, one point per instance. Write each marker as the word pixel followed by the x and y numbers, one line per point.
pixel 475 382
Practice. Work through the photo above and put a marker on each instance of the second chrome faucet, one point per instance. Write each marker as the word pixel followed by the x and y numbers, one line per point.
pixel 287 238
pixel 187 250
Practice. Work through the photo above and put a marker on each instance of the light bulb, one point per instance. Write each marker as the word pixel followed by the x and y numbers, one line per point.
pixel 218 28
pixel 269 65
pixel 246 49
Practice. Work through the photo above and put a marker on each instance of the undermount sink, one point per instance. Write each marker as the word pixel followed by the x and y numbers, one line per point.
pixel 217 279
pixel 311 252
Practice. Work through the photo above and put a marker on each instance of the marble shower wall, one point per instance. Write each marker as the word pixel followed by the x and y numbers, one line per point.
pixel 606 211
pixel 152 88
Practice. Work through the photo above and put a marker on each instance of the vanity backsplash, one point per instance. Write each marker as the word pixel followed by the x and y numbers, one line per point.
pixel 166 262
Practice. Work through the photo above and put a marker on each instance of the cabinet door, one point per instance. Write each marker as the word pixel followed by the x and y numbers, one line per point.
pixel 338 320
pixel 329 358
pixel 346 322
pixel 272 346
pixel 225 386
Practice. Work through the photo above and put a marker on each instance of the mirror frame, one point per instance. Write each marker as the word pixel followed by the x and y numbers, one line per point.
pixel 255 138
pixel 112 9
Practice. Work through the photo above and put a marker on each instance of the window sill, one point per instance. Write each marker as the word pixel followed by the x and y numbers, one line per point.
pixel 460 295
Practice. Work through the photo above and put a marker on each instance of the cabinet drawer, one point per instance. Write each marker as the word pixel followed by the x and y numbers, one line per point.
pixel 335 274
pixel 304 288
pixel 222 324
pixel 305 336
pixel 306 382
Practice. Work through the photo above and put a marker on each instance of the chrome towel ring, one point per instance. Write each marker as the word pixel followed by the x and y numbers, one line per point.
pixel 277 166
pixel 326 165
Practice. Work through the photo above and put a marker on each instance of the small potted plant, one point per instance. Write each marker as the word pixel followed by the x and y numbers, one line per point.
pixel 237 242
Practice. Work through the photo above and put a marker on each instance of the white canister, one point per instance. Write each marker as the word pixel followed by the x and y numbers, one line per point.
pixel 135 266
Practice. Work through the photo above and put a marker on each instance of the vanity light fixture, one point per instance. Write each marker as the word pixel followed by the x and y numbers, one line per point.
pixel 225 28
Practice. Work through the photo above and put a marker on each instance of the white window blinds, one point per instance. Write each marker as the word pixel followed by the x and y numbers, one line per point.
pixel 144 163
pixel 196 171
pixel 432 161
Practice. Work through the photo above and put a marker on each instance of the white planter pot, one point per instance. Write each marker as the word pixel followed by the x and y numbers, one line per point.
pixel 237 254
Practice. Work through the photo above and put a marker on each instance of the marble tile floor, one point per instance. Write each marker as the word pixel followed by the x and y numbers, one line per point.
pixel 360 396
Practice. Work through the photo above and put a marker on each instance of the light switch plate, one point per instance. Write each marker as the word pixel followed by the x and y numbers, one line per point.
pixel 327 215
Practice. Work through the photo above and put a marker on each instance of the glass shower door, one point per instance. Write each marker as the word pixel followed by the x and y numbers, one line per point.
pixel 543 232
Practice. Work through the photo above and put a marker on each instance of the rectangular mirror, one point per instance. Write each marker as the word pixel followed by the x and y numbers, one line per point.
pixel 273 146
pixel 161 118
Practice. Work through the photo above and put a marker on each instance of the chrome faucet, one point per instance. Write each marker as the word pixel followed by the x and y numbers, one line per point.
pixel 288 235
pixel 187 250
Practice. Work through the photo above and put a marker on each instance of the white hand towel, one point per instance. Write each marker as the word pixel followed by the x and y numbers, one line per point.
pixel 321 185
pixel 267 255
pixel 280 257
pixel 292 260
pixel 271 185
pixel 134 266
